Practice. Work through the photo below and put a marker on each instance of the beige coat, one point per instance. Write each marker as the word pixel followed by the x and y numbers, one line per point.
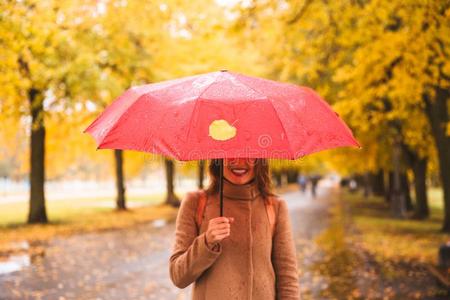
pixel 249 264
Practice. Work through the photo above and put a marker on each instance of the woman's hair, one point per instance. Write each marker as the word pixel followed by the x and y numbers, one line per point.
pixel 262 177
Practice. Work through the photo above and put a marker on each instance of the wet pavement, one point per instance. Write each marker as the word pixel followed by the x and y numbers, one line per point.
pixel 119 264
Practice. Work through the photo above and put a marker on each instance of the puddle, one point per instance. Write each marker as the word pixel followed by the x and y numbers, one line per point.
pixel 20 255
pixel 159 223
pixel 14 263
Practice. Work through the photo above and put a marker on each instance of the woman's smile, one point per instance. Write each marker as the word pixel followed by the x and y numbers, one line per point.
pixel 239 170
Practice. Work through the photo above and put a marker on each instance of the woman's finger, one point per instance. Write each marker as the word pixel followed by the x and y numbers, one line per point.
pixel 221 237
pixel 219 232
pixel 220 220
pixel 222 226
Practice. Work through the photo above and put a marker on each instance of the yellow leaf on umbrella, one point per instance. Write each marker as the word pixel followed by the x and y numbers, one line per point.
pixel 220 130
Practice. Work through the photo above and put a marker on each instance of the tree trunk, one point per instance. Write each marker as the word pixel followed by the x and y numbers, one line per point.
pixel 398 198
pixel 418 166
pixel 360 180
pixel 366 184
pixel 171 198
pixel 420 169
pixel 437 113
pixel 378 184
pixel 120 199
pixel 406 191
pixel 291 175
pixel 37 212
pixel 201 173
pixel 390 189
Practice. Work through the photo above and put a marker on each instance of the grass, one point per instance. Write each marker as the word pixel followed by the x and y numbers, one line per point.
pixel 398 239
pixel 66 211
pixel 77 216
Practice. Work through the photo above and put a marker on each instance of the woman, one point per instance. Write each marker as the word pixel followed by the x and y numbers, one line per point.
pixel 236 256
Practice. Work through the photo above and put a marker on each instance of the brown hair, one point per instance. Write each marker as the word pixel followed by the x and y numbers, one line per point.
pixel 262 177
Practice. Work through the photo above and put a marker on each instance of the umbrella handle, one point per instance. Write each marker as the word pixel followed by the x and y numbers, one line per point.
pixel 221 186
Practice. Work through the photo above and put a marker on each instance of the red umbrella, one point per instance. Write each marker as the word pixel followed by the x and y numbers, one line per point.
pixel 221 115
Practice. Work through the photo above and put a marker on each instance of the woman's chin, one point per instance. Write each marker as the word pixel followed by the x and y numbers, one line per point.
pixel 239 179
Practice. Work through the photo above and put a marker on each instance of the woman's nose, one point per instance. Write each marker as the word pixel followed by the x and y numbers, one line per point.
pixel 235 161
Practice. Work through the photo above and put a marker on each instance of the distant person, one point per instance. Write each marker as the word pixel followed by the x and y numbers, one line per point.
pixel 302 182
pixel 352 185
pixel 314 181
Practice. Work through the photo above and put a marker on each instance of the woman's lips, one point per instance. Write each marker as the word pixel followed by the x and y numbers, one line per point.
pixel 239 171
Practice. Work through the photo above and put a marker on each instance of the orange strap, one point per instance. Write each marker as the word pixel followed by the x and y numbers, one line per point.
pixel 200 208
pixel 268 203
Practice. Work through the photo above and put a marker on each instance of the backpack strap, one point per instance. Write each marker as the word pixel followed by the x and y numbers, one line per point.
pixel 270 210
pixel 202 198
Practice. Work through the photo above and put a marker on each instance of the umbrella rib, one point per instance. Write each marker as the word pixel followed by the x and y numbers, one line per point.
pixel 243 83
pixel 126 112
pixel 116 123
pixel 282 126
pixel 276 113
pixel 195 106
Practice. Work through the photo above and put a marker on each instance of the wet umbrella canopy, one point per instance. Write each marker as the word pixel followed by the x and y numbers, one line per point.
pixel 221 115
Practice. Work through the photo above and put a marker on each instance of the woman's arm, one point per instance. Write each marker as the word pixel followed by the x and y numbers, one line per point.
pixel 191 255
pixel 284 257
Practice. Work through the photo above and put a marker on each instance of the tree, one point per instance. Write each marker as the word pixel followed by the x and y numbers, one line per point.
pixel 39 54
pixel 416 74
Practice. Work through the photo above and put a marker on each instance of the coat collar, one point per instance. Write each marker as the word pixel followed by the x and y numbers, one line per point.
pixel 248 191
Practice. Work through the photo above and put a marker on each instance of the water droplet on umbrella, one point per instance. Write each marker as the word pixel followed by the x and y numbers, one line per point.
pixel 247 135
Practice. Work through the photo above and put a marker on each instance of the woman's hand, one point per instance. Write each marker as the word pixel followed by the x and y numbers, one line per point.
pixel 218 229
